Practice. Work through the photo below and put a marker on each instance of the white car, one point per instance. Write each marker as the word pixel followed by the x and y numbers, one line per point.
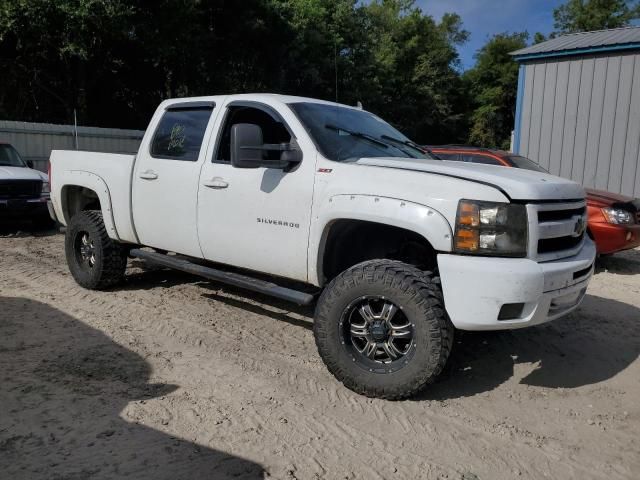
pixel 395 248
pixel 24 192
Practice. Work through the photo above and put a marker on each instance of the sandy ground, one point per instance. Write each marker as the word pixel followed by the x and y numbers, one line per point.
pixel 172 377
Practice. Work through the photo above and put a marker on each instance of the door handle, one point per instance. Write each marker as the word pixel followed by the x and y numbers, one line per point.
pixel 217 183
pixel 149 175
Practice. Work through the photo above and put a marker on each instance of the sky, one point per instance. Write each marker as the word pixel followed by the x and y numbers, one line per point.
pixel 484 18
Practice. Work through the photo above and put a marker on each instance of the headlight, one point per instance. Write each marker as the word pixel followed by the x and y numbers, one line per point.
pixel 46 188
pixel 617 216
pixel 490 228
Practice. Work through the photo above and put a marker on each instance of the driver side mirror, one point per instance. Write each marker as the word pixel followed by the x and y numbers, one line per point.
pixel 30 163
pixel 247 149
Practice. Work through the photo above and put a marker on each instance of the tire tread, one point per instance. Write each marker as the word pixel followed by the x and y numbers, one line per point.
pixel 423 287
pixel 114 255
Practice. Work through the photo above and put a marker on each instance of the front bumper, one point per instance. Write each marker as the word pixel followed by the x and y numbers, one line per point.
pixel 476 288
pixel 23 208
pixel 611 238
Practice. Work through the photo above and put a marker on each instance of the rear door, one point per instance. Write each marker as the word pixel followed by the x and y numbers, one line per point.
pixel 166 174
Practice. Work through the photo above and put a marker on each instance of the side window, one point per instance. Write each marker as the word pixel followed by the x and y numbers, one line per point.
pixel 273 131
pixel 447 156
pixel 480 159
pixel 179 134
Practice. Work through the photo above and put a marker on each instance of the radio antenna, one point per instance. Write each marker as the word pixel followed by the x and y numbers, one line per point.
pixel 335 64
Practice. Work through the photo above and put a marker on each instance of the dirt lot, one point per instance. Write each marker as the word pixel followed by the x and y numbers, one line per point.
pixel 173 377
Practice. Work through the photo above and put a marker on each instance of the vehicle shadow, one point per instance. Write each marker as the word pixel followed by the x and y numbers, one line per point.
pixel 591 345
pixel 622 263
pixel 145 276
pixel 63 388
pixel 26 228
pixel 265 306
pixel 588 346
pixel 148 276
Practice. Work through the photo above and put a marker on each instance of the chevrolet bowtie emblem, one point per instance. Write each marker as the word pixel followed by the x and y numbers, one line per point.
pixel 579 227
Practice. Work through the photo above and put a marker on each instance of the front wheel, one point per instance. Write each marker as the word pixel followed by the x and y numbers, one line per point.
pixel 96 261
pixel 381 329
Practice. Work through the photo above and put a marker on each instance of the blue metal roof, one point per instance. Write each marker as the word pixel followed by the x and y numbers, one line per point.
pixel 616 39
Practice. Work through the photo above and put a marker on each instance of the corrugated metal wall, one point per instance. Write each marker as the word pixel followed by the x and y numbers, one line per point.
pixel 35 141
pixel 581 119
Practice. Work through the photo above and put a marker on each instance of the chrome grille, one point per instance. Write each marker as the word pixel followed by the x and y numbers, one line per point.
pixel 556 230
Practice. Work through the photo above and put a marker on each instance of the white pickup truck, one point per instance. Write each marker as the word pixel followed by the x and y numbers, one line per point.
pixel 24 192
pixel 394 247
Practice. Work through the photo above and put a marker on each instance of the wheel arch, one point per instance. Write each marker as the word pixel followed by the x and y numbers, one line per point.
pixel 355 219
pixel 417 295
pixel 87 191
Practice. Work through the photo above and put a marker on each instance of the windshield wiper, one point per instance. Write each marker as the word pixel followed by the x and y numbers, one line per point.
pixel 364 136
pixel 411 144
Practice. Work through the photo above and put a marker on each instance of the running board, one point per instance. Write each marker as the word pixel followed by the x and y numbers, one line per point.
pixel 231 278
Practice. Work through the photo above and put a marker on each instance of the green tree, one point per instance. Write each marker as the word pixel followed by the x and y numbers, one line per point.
pixel 114 60
pixel 492 85
pixel 323 48
pixel 585 15
pixel 47 48
pixel 411 75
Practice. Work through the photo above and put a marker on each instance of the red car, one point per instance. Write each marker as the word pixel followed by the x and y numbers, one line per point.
pixel 614 220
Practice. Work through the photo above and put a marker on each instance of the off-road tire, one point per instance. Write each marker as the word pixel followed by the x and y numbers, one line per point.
pixel 418 294
pixel 110 256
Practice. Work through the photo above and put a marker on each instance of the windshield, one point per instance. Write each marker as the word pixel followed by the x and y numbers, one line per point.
pixel 343 133
pixel 9 157
pixel 523 162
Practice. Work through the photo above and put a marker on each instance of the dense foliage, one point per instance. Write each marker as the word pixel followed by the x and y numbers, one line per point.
pixel 112 61
pixel 585 15
pixel 492 84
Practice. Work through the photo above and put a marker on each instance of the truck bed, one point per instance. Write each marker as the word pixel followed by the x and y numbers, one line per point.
pixel 102 172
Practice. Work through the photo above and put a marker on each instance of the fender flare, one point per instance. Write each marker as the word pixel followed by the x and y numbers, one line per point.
pixel 81 178
pixel 421 219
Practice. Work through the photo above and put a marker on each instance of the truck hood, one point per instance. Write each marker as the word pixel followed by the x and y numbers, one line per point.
pixel 21 173
pixel 516 183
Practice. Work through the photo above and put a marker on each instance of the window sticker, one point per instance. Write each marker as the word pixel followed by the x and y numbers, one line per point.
pixel 177 138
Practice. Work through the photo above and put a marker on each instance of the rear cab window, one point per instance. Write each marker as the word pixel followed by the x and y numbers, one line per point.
pixel 180 133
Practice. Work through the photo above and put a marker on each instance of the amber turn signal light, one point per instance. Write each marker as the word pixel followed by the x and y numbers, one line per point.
pixel 468 214
pixel 467 239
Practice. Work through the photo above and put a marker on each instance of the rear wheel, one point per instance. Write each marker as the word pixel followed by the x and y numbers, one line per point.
pixel 381 329
pixel 96 261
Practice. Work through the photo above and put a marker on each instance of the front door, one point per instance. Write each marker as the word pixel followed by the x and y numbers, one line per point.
pixel 257 218
pixel 166 175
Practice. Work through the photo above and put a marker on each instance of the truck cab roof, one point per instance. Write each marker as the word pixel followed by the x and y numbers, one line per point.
pixel 254 97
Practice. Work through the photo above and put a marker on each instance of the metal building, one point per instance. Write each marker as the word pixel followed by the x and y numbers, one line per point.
pixel 34 141
pixel 578 108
